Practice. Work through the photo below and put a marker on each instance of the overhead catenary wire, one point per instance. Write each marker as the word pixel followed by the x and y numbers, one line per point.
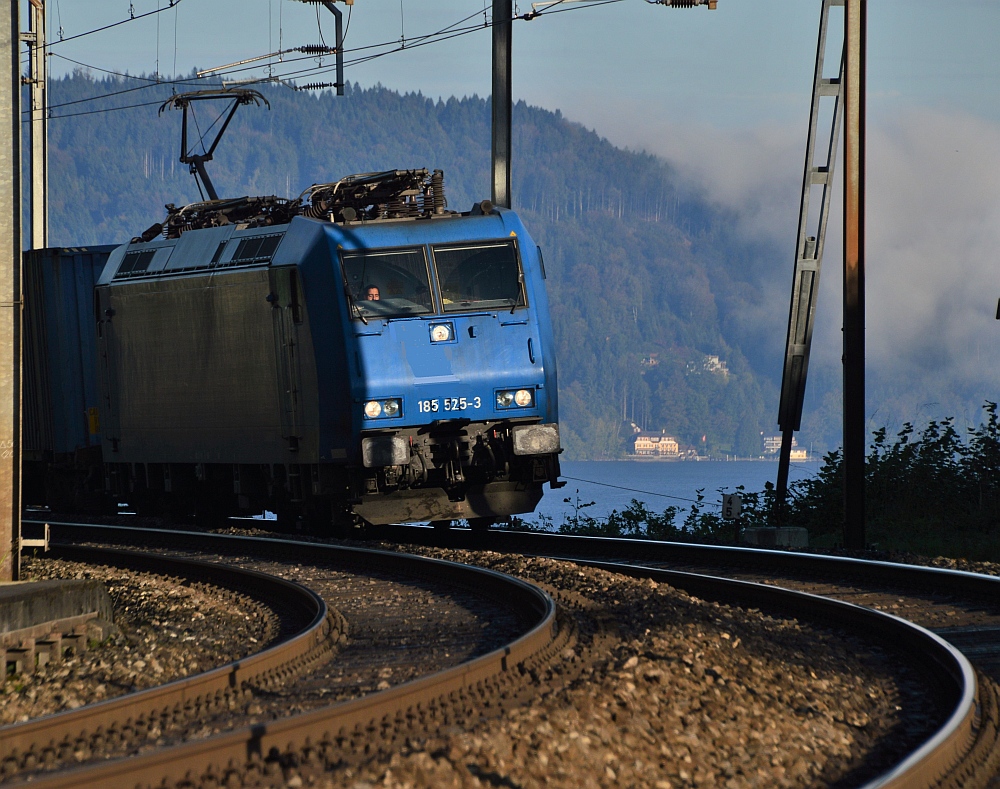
pixel 394 43
pixel 413 43
pixel 421 41
pixel 125 75
pixel 150 83
pixel 636 490
pixel 646 492
pixel 444 34
pixel 135 18
pixel 429 38
pixel 103 109
pixel 363 59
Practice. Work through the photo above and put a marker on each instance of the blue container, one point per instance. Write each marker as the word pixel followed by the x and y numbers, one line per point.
pixel 61 394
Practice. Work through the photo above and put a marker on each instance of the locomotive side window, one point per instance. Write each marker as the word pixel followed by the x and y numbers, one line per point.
pixel 388 283
pixel 479 276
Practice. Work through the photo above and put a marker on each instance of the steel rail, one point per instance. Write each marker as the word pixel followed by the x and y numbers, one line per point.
pixel 952 750
pixel 574 547
pixel 937 756
pixel 934 759
pixel 320 731
pixel 24 745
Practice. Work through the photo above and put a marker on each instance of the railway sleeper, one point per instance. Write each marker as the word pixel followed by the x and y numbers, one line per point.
pixel 145 727
pixel 980 767
pixel 366 741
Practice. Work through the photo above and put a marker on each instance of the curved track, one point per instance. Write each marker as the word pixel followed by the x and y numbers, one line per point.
pixel 958 609
pixel 954 755
pixel 309 632
pixel 941 663
pixel 322 736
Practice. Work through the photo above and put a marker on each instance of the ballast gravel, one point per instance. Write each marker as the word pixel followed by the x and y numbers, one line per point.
pixel 966 565
pixel 659 689
pixel 166 629
pixel 676 692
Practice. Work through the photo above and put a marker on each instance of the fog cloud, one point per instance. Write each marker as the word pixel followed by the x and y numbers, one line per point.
pixel 933 243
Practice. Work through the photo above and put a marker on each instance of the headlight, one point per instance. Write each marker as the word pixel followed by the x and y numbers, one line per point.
pixel 441 332
pixel 384 409
pixel 515 398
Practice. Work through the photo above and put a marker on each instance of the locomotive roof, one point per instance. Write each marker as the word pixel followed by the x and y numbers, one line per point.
pixel 235 246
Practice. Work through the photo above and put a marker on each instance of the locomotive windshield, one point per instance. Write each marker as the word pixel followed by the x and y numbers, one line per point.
pixel 479 276
pixel 388 283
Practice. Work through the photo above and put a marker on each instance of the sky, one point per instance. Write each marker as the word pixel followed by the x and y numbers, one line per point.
pixel 746 62
pixel 723 95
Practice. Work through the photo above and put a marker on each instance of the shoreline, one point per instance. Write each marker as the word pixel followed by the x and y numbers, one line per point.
pixel 696 459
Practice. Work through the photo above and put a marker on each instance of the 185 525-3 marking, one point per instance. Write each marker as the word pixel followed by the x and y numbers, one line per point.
pixel 449 404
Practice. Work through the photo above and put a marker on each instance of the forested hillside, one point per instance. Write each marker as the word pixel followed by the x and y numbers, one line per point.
pixel 646 280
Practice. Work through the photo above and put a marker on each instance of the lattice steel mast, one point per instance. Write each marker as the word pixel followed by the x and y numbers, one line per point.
pixel 808 251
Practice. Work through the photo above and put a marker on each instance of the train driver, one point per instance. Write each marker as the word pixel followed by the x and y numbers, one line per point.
pixel 371 293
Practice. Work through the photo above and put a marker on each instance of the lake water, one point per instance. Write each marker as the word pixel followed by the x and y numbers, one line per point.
pixel 658 484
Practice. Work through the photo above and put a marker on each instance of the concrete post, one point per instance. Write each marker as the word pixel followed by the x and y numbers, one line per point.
pixel 38 80
pixel 10 293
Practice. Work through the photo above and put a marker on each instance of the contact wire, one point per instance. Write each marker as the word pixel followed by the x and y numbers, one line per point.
pixel 636 490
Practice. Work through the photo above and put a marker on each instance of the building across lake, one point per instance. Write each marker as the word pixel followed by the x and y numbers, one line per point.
pixel 647 444
pixel 656 445
pixel 772 446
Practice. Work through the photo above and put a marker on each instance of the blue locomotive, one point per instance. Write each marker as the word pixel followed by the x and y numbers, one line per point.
pixel 361 354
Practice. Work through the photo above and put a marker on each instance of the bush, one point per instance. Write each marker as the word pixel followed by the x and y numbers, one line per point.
pixel 639 522
pixel 929 492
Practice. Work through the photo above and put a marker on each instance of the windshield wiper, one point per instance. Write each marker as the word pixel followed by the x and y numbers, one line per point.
pixel 355 309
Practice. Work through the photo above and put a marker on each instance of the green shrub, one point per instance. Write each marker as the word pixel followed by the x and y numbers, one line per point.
pixel 931 492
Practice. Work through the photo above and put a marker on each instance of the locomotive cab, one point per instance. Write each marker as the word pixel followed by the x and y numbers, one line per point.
pixel 454 396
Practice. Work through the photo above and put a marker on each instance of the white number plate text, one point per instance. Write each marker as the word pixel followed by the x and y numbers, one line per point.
pixel 449 404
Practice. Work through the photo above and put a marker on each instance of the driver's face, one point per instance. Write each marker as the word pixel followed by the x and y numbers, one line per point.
pixel 371 294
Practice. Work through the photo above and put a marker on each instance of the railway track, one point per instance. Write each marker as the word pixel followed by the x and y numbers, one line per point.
pixel 307 634
pixel 960 608
pixel 309 743
pixel 303 743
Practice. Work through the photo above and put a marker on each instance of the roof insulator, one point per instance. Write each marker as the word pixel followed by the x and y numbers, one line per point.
pixel 316 49
pixel 317 86
pixel 685 3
